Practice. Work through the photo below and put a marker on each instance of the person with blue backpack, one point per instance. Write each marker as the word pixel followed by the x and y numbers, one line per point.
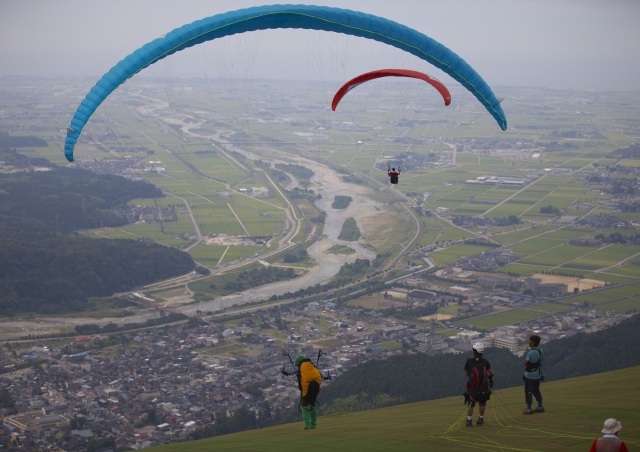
pixel 479 383
pixel 533 375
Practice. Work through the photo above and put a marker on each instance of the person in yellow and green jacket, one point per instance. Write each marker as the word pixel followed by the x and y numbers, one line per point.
pixel 309 383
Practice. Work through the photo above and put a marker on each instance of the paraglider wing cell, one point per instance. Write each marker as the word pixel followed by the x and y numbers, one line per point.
pixel 285 16
pixel 360 79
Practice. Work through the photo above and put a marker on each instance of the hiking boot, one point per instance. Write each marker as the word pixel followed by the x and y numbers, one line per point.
pixel 539 410
pixel 480 421
pixel 527 411
pixel 469 423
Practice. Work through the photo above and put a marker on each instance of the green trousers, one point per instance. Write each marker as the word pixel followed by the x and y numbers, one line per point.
pixel 309 415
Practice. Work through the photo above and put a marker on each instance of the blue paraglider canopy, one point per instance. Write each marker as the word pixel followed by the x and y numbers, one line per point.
pixel 285 16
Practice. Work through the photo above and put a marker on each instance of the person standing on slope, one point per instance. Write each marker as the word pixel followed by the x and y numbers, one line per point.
pixel 309 382
pixel 533 375
pixel 479 383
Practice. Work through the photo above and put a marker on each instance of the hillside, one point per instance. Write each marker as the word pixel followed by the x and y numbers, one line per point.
pixel 47 268
pixel 576 409
pixel 401 379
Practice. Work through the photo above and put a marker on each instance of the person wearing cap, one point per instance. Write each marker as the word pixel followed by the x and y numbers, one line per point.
pixel 309 381
pixel 479 383
pixel 610 441
pixel 533 375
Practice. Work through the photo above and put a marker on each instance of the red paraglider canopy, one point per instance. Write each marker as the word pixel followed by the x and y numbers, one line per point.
pixel 390 73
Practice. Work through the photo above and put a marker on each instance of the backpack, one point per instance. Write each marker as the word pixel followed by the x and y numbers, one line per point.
pixel 394 178
pixel 309 382
pixel 478 376
pixel 310 379
pixel 532 367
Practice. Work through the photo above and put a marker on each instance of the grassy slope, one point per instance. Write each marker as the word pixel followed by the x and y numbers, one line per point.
pixel 576 409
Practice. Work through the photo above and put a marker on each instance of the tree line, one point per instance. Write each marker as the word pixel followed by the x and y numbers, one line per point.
pixel 419 377
pixel 414 378
pixel 47 268
pixel 69 199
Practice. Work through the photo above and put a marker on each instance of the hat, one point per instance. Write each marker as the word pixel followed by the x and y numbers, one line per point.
pixel 611 426
pixel 479 347
pixel 299 360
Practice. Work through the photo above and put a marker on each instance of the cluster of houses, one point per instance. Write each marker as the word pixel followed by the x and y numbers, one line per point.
pixel 162 386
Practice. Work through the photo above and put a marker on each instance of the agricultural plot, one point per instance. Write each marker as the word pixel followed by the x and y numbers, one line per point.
pixel 557 256
pixel 534 246
pixel 171 135
pixel 522 234
pixel 452 234
pixel 448 255
pixel 511 317
pixel 619 306
pixel 630 270
pixel 568 233
pixel 431 231
pixel 606 295
pixel 607 256
pixel 470 209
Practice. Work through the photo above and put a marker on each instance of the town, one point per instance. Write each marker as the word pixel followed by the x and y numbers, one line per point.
pixel 159 386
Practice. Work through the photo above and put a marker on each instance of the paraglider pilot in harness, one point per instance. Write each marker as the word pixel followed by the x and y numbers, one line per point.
pixel 393 175
pixel 479 383
pixel 309 382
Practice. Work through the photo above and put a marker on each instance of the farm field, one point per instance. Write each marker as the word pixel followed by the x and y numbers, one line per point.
pixel 208 144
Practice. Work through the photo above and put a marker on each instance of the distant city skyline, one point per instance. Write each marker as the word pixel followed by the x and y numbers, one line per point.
pixel 582 44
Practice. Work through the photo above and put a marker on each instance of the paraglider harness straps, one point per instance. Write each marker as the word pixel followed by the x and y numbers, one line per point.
pixel 393 176
pixel 327 377
pixel 532 367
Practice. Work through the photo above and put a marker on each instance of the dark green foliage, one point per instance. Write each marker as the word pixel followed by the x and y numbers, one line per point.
pixel 320 219
pixel 44 269
pixel 629 206
pixel 297 171
pixel 67 199
pixel 550 209
pixel 351 272
pixel 202 270
pixel 341 202
pixel 618 237
pixel 297 254
pixel 350 230
pixel 101 444
pixel 256 277
pixel 630 152
pixel 586 354
pixel 46 272
pixel 6 401
pixel 7 141
pixel 414 378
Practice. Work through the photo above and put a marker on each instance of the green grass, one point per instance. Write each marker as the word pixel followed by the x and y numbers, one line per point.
pixel 576 409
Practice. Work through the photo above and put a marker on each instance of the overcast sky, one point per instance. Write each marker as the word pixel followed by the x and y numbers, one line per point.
pixel 551 43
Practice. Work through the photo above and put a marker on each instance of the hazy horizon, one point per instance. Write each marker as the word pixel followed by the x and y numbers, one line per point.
pixel 581 44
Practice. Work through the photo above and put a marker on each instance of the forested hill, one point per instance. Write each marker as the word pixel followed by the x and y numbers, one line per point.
pixel 414 378
pixel 69 199
pixel 46 268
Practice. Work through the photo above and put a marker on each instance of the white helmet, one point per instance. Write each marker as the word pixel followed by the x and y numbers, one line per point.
pixel 479 347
